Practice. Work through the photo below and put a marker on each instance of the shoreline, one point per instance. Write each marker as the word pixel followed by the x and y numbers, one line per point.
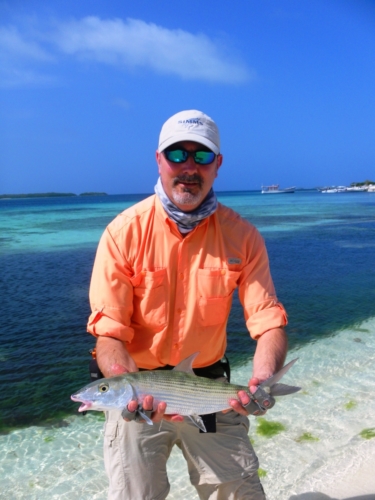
pixel 61 416
pixel 334 462
pixel 46 195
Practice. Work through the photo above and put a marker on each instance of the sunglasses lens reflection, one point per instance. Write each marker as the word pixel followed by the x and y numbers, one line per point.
pixel 177 155
pixel 204 157
pixel 181 156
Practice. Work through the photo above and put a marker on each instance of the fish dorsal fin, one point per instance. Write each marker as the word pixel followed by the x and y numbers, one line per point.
pixel 198 421
pixel 186 365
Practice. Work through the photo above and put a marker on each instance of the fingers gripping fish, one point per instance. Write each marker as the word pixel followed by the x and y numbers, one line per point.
pixel 183 392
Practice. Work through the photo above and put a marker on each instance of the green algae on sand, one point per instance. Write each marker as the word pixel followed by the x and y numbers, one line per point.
pixel 268 429
pixel 350 405
pixel 262 472
pixel 306 436
pixel 368 433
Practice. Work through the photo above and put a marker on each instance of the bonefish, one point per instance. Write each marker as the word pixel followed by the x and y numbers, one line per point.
pixel 183 392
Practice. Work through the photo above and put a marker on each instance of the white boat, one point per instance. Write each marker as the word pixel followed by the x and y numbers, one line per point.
pixel 333 189
pixel 370 188
pixel 356 189
pixel 328 190
pixel 274 189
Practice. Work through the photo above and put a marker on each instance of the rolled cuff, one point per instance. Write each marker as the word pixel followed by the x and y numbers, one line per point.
pixel 267 319
pixel 99 324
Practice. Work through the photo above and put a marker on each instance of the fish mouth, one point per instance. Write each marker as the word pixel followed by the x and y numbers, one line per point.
pixel 86 405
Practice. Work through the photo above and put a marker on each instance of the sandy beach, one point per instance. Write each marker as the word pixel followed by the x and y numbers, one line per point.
pixel 324 447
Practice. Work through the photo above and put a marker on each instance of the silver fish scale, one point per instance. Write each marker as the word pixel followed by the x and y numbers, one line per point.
pixel 184 393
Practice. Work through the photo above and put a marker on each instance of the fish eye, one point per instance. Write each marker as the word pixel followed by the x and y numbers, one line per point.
pixel 103 387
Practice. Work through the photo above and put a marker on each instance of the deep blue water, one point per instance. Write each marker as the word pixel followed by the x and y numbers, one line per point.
pixel 321 250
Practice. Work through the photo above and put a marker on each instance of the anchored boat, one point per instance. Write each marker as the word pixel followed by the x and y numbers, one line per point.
pixel 274 189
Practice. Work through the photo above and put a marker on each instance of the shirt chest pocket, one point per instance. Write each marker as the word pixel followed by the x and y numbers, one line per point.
pixel 149 299
pixel 215 289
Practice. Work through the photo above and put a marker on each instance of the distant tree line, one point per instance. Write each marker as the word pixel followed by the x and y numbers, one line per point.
pixel 93 194
pixel 49 195
pixel 360 184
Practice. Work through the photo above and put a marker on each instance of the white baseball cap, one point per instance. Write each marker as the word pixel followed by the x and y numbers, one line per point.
pixel 191 125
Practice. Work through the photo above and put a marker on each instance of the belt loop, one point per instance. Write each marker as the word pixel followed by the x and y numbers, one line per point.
pixel 226 366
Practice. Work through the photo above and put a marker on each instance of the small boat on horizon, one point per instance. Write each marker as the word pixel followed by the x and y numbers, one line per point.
pixel 274 189
pixel 344 189
pixel 357 189
pixel 330 190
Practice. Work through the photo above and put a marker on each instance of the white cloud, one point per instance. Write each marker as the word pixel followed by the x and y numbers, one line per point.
pixel 136 43
pixel 16 46
pixel 127 44
pixel 20 59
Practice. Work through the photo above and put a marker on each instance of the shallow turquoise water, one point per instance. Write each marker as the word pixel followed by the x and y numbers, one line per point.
pixel 64 459
pixel 321 251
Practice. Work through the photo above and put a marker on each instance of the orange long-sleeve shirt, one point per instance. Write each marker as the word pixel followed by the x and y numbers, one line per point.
pixel 167 296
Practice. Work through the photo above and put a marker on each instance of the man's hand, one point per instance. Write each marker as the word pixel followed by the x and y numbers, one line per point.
pixel 269 357
pixel 157 415
pixel 244 400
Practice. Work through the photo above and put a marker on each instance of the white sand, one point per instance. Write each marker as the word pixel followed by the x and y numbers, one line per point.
pixel 336 404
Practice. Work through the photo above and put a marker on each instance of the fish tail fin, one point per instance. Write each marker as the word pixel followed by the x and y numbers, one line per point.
pixel 283 389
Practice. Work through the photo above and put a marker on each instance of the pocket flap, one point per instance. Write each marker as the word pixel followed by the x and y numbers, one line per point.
pixel 148 279
pixel 110 430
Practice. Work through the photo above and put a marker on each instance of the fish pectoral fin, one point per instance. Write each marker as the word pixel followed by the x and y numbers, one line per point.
pixel 186 365
pixel 197 420
pixel 145 417
pixel 283 389
pixel 133 393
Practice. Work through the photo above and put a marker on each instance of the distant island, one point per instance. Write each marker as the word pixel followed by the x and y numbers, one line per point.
pixel 49 195
pixel 93 194
pixel 361 184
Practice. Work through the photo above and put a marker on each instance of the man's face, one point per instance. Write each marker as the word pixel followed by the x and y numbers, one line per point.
pixel 187 184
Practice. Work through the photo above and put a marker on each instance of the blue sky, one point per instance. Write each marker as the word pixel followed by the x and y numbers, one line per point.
pixel 86 85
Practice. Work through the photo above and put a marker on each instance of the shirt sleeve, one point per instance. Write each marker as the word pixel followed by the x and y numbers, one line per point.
pixel 111 292
pixel 257 292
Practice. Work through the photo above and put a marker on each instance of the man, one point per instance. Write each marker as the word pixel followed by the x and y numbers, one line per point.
pixel 161 290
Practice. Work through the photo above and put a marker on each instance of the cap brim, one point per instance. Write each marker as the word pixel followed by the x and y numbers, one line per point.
pixel 189 137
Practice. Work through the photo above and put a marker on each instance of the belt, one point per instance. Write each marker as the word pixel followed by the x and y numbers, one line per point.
pixel 218 369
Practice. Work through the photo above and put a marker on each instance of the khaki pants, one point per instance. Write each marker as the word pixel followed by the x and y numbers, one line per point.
pixel 222 465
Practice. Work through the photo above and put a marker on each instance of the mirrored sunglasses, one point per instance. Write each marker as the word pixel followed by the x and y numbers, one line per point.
pixel 181 156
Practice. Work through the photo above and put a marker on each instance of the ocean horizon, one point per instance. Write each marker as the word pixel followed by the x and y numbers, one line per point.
pixel 321 250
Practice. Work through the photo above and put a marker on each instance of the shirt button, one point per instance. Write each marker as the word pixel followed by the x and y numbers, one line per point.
pixel 176 346
pixel 223 271
pixel 181 276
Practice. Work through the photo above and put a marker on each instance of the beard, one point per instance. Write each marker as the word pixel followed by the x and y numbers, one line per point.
pixel 187 198
pixel 185 195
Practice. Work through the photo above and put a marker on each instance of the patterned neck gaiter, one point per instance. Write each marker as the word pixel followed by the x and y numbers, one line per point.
pixel 186 221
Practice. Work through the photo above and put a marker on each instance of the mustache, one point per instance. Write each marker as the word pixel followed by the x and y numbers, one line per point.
pixel 196 178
